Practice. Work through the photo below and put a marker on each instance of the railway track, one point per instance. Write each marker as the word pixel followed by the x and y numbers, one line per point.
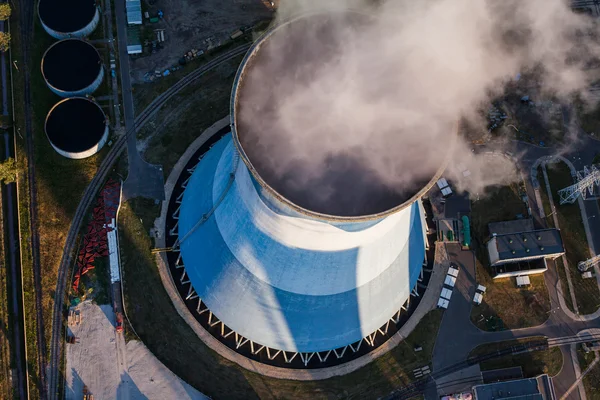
pixel 90 194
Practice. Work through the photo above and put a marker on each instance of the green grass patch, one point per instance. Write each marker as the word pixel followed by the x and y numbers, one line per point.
pixel 574 239
pixel 188 114
pixel 533 363
pixel 591 383
pixel 30 320
pixel 156 321
pixel 6 332
pixel 504 305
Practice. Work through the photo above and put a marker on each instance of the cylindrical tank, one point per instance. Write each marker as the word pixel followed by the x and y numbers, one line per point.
pixel 76 127
pixel 72 67
pixel 64 19
pixel 269 261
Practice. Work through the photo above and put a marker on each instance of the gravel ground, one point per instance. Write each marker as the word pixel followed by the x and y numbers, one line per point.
pixel 193 24
pixel 93 362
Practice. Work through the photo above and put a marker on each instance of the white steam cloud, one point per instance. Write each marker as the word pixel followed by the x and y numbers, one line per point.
pixel 373 104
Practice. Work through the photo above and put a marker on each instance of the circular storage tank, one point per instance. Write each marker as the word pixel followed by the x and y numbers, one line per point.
pixel 72 67
pixel 76 127
pixel 64 19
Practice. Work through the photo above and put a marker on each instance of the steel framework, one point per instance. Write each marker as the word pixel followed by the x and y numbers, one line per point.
pixel 587 264
pixel 587 180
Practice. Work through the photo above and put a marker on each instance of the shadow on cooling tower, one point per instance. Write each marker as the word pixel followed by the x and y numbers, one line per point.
pixel 285 318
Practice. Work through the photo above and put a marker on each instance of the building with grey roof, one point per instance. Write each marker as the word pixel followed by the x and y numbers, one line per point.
pixel 525 249
pixel 539 388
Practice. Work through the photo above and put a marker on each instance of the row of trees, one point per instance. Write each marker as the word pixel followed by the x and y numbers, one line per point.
pixel 8 168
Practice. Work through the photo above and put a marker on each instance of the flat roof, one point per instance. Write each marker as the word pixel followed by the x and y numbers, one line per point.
pixel 506 227
pixel 521 389
pixel 528 244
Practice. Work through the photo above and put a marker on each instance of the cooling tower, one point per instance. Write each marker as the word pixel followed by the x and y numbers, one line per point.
pixel 64 19
pixel 72 67
pixel 76 127
pixel 278 268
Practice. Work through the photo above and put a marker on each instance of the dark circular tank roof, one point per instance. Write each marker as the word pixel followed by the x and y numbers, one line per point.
pixel 355 191
pixel 71 64
pixel 67 15
pixel 75 124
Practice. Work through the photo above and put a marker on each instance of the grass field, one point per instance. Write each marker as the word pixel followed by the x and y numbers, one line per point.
pixel 514 307
pixel 6 340
pixel 533 363
pixel 23 198
pixel 156 321
pixel 186 115
pixel 574 239
pixel 591 381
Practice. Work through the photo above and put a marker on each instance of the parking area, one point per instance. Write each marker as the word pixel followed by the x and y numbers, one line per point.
pixel 188 25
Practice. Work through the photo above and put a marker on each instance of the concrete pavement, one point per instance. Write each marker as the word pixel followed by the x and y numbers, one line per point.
pixel 143 180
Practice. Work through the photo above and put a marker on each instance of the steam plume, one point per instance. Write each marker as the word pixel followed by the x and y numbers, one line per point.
pixel 351 114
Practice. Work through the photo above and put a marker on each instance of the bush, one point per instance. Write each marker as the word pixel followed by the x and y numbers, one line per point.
pixel 8 170
pixel 5 11
pixel 4 41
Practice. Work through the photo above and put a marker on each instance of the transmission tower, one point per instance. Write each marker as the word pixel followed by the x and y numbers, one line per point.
pixel 587 180
pixel 587 264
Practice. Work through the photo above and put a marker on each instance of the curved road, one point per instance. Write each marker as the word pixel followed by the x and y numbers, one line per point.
pixel 53 374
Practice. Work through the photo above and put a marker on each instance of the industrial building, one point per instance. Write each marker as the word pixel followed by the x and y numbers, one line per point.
pixel 64 19
pixel 72 67
pixel 539 388
pixel 76 127
pixel 279 274
pixel 517 249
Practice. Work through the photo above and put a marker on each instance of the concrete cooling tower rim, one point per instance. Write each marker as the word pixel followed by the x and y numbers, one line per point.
pixel 71 64
pixel 254 49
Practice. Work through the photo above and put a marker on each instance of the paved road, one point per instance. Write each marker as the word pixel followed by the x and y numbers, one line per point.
pixel 144 180
pixel 456 325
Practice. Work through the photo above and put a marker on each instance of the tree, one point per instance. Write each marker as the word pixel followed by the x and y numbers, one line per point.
pixel 8 170
pixel 5 11
pixel 4 41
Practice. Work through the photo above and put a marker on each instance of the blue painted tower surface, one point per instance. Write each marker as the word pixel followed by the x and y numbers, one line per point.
pixel 286 280
pixel 64 19
pixel 72 68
